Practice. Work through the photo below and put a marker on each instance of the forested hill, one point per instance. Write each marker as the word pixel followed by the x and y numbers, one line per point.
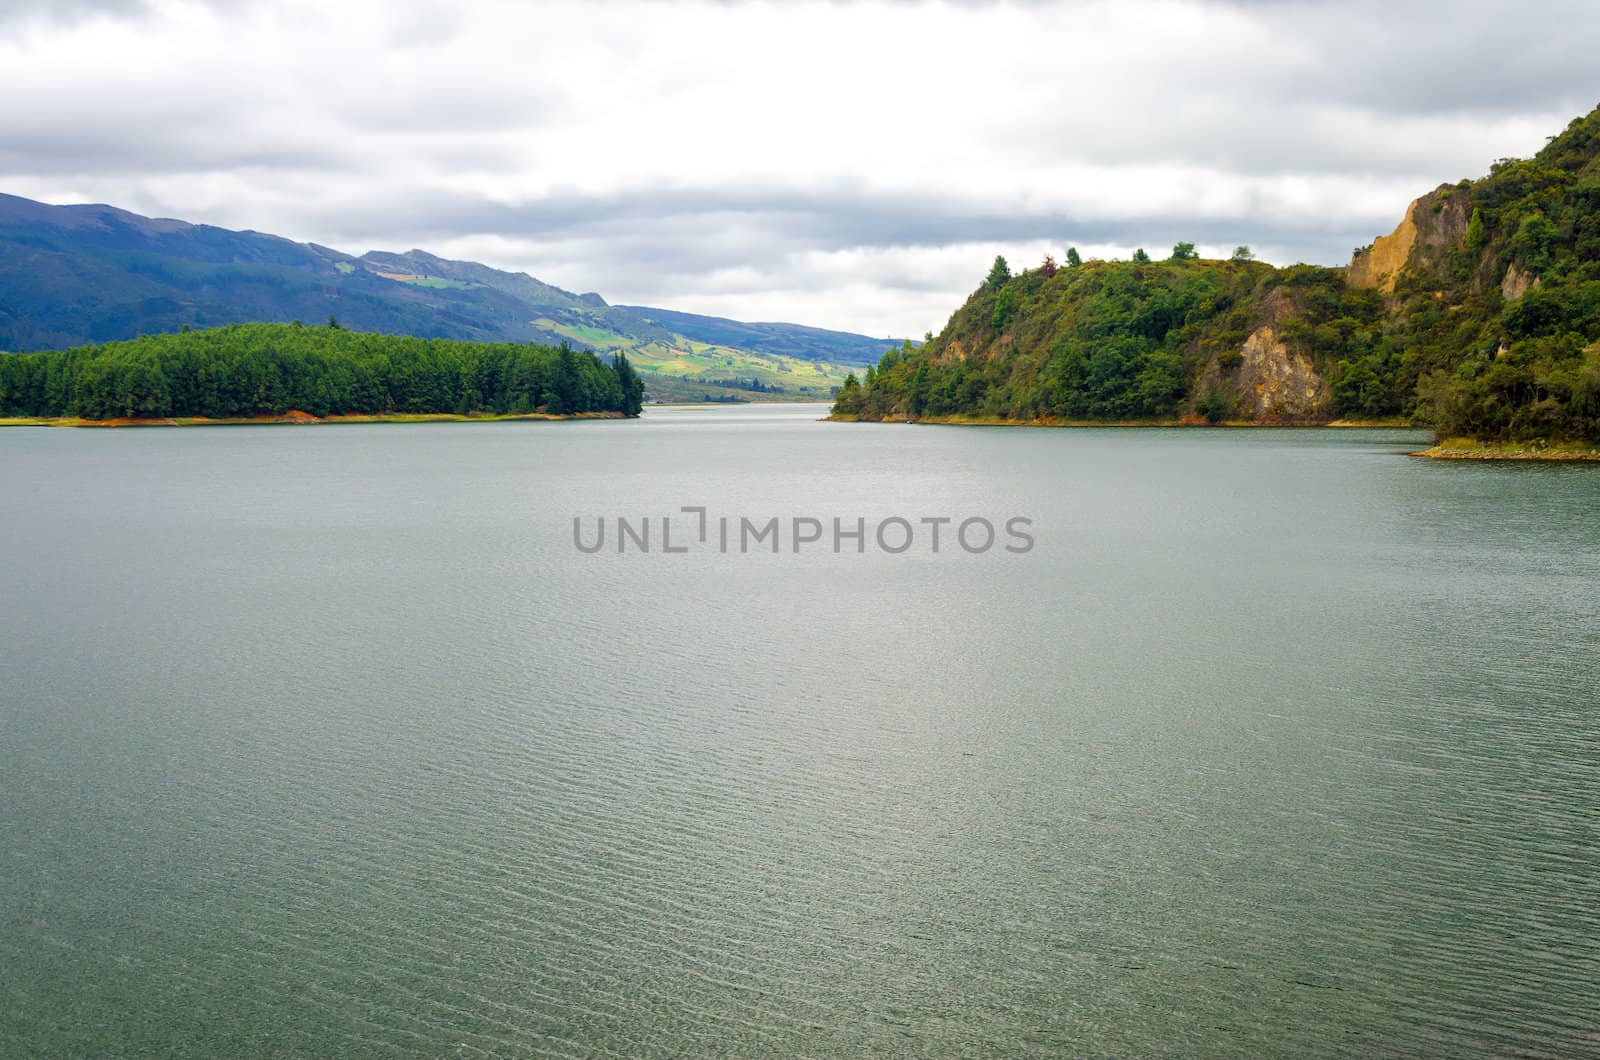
pixel 73 275
pixel 1479 316
pixel 248 370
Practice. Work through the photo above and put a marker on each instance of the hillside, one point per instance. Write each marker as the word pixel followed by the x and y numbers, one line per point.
pixel 1479 315
pixel 782 340
pixel 71 275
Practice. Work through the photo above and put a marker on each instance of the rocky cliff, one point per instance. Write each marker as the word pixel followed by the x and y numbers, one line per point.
pixel 1478 314
pixel 1431 227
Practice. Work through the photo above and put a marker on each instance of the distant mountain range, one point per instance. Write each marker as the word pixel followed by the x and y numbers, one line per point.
pixel 71 275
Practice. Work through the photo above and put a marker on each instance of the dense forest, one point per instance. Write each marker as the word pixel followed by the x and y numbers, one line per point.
pixel 1479 316
pixel 268 369
pixel 1115 341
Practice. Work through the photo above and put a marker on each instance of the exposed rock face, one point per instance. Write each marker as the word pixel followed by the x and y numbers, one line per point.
pixel 1278 383
pixel 1517 282
pixel 1271 382
pixel 1380 266
pixel 1432 225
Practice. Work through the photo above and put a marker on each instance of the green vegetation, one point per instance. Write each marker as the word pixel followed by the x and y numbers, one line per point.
pixel 999 274
pixel 251 370
pixel 679 369
pixel 1484 322
pixel 1502 365
pixel 78 275
pixel 1473 449
pixel 793 341
pixel 437 282
pixel 1106 341
pixel 689 371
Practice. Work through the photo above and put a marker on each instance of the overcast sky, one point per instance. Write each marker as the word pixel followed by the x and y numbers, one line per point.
pixel 849 165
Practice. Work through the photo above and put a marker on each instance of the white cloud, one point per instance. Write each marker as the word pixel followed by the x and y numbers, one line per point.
pixel 846 165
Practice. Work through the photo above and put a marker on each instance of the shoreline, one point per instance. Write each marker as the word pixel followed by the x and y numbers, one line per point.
pixel 1447 449
pixel 733 404
pixel 294 417
pixel 1051 421
pixel 1472 449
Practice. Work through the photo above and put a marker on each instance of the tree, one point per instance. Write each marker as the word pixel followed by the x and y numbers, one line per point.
pixel 1475 233
pixel 1047 268
pixel 1184 252
pixel 1073 258
pixel 917 393
pixel 848 400
pixel 1004 307
pixel 1533 241
pixel 266 369
pixel 999 273
pixel 1243 253
pixel 333 322
pixel 1216 406
pixel 632 385
pixel 1140 257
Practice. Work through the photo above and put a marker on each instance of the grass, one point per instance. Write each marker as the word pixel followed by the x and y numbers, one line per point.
pixel 597 339
pixel 1474 449
pixel 684 370
pixel 437 281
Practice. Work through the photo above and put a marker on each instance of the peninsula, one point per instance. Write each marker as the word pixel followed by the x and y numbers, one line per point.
pixel 1478 316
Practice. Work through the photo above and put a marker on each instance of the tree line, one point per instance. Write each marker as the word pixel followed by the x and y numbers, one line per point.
pixel 1094 340
pixel 247 370
pixel 1456 345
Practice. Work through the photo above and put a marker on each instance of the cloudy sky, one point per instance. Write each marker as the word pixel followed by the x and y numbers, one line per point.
pixel 850 165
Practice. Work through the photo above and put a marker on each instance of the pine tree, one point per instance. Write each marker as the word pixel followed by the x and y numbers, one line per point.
pixel 999 274
pixel 632 384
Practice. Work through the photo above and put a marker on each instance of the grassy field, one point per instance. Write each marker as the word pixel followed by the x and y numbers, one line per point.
pixel 437 281
pixel 694 371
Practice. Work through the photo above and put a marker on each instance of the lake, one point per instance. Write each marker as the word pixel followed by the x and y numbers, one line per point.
pixel 331 741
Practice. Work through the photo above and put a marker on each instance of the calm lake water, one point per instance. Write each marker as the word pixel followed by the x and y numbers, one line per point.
pixel 328 741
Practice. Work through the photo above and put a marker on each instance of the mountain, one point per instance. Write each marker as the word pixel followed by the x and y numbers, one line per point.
pixel 782 340
pixel 1479 315
pixel 72 275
